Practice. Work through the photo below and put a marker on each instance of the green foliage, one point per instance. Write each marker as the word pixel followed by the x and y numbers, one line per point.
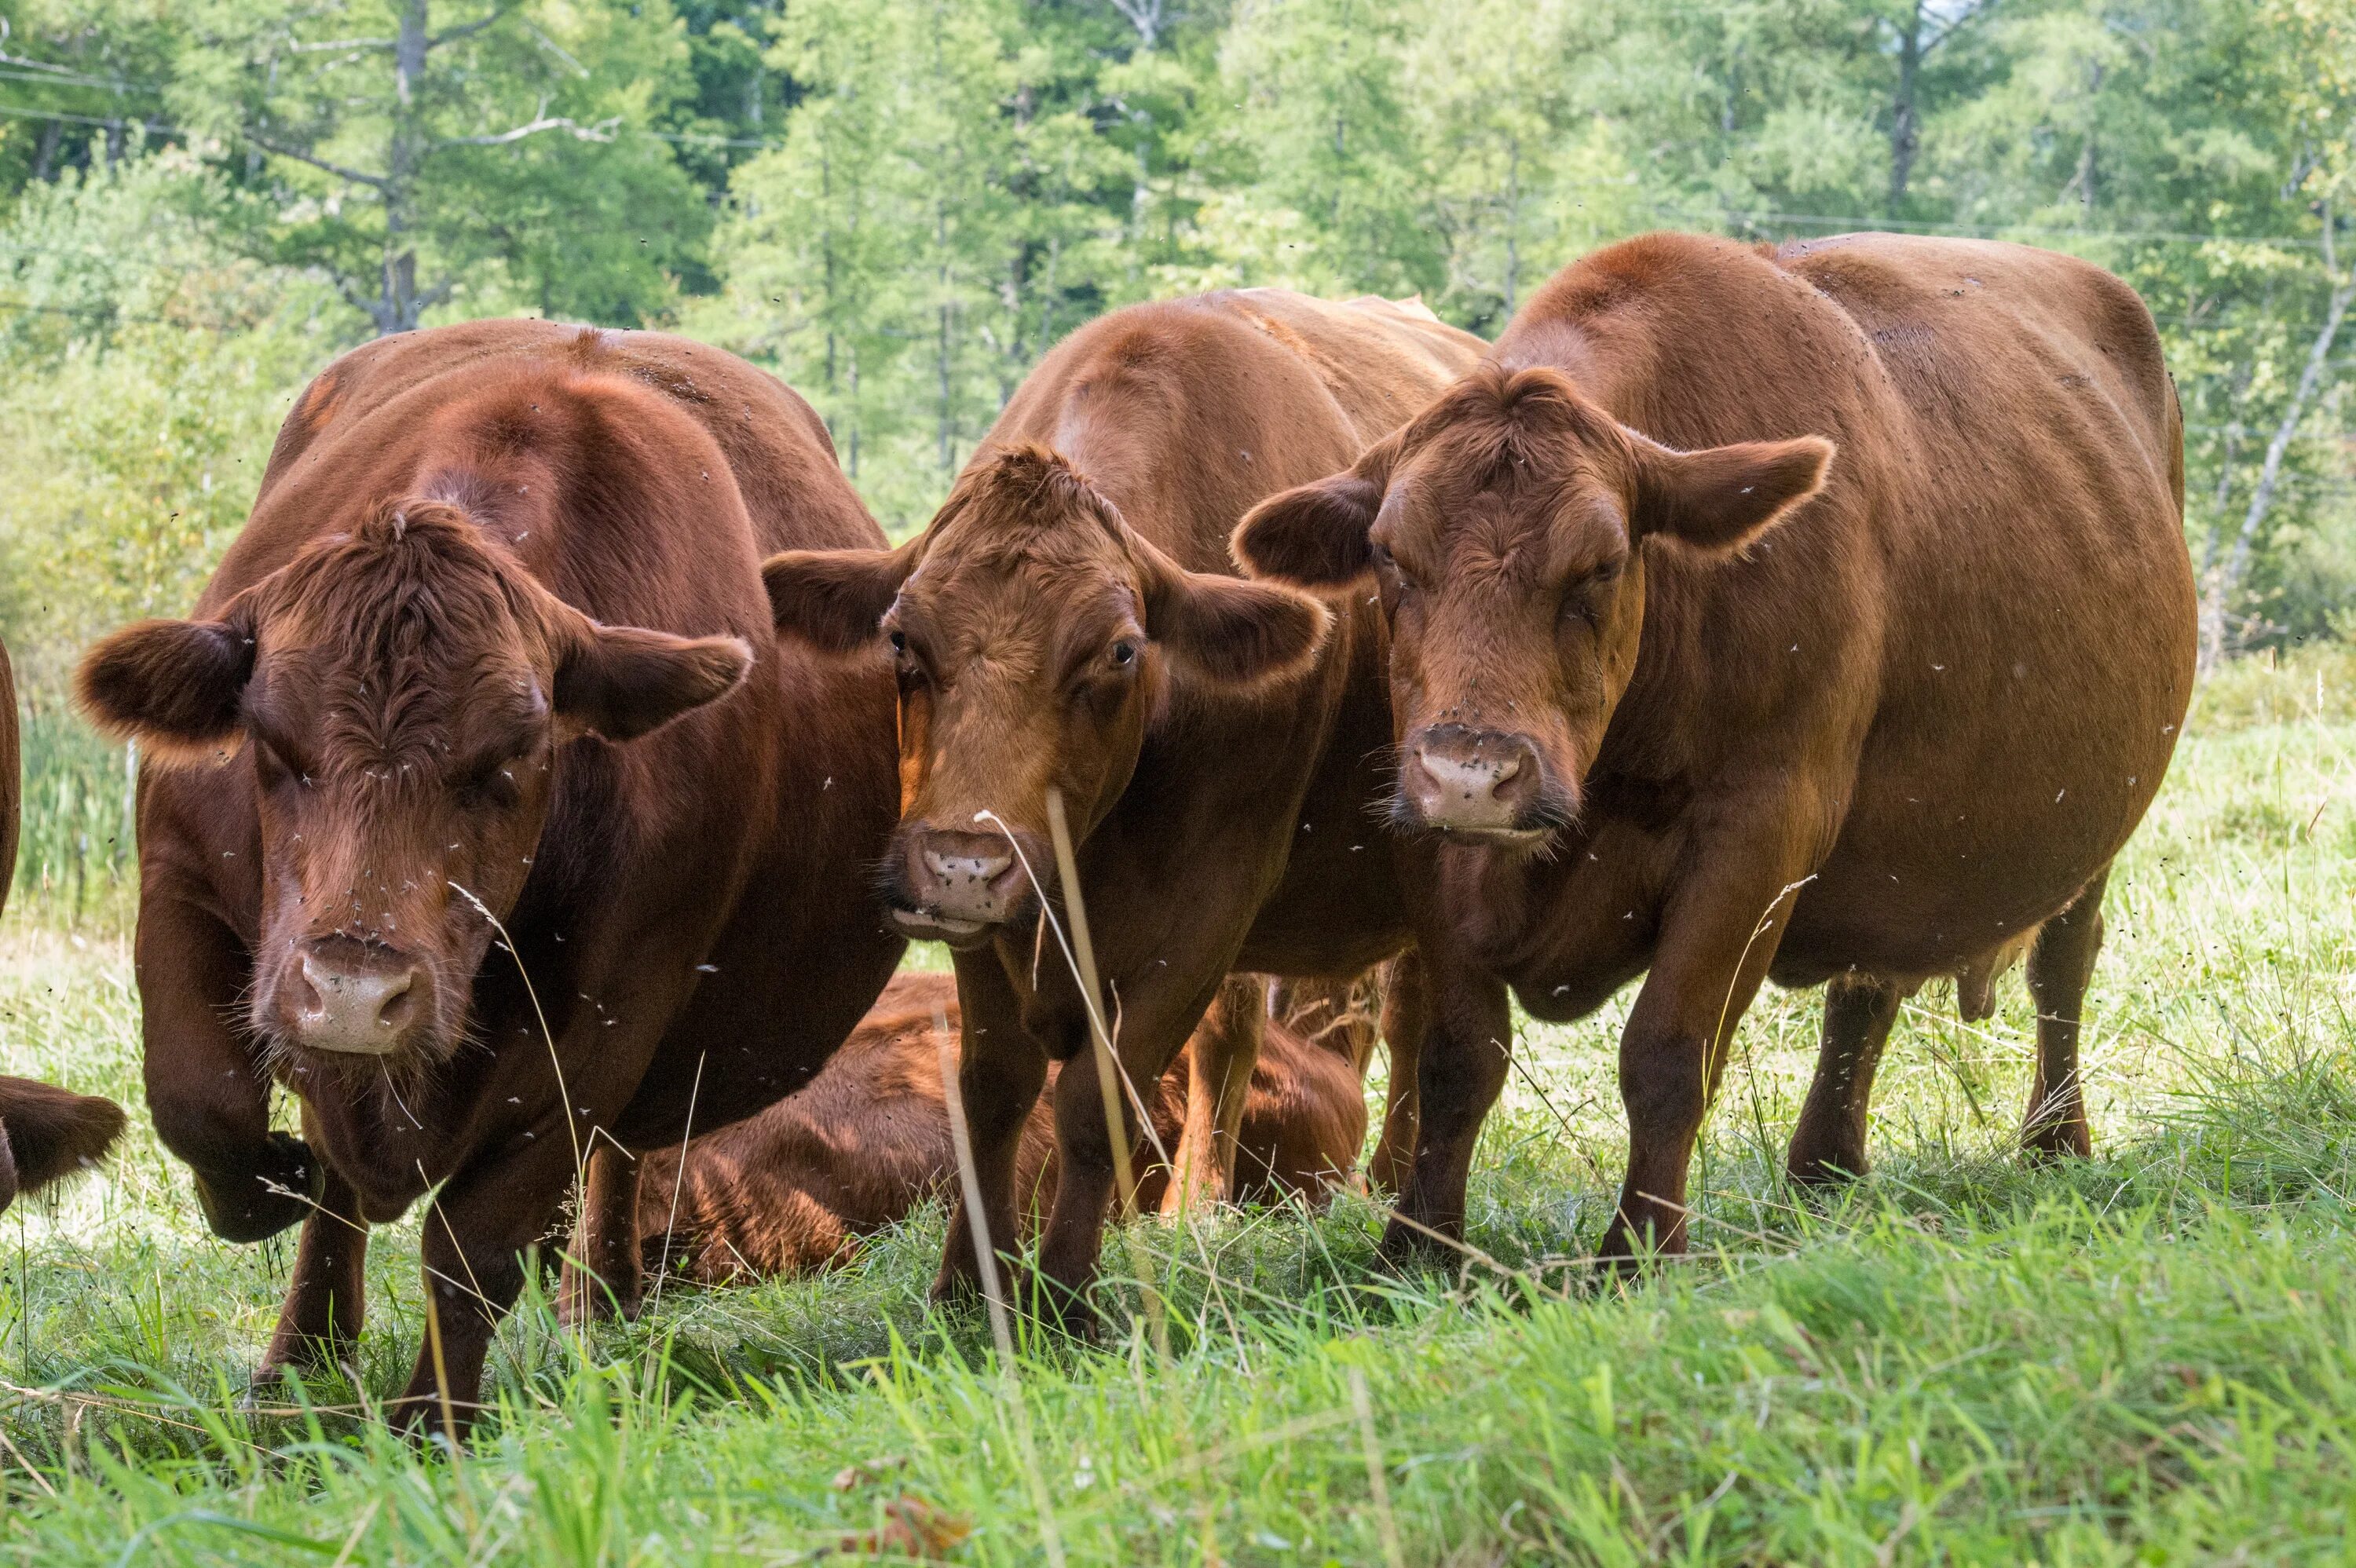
pixel 932 222
pixel 898 206
pixel 149 372
pixel 493 157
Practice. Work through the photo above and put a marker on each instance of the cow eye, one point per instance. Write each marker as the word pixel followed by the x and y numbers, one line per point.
pixel 492 782
pixel 277 763
pixel 899 641
pixel 1390 569
pixel 1124 654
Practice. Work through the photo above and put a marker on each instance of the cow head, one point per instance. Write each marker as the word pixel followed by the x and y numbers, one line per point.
pixel 1038 638
pixel 1504 526
pixel 399 695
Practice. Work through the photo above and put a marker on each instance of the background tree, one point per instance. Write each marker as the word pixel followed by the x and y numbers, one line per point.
pixel 899 204
pixel 417 150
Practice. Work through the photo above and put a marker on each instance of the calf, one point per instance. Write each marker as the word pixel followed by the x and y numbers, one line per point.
pixel 481 810
pixel 1723 597
pixel 792 1189
pixel 45 1133
pixel 1066 630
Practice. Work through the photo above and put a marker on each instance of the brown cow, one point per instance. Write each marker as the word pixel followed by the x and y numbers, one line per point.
pixel 791 1189
pixel 1819 613
pixel 46 1133
pixel 492 662
pixel 1065 626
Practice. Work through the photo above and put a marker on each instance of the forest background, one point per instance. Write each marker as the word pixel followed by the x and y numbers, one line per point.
pixel 898 204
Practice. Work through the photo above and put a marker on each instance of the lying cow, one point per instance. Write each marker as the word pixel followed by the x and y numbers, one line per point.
pixel 492 668
pixel 1819 613
pixel 47 1134
pixel 1065 629
pixel 791 1189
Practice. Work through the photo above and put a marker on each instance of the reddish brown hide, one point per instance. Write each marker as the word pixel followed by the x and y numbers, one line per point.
pixel 487 687
pixel 1067 628
pixel 45 1133
pixel 1819 613
pixel 793 1187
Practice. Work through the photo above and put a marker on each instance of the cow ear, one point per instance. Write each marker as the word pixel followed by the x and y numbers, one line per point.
pixel 1313 534
pixel 1722 497
pixel 622 681
pixel 1225 631
pixel 835 597
pixel 174 687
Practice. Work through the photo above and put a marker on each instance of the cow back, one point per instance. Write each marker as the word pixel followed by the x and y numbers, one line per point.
pixel 1185 412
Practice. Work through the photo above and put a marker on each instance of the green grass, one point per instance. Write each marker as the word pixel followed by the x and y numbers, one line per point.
pixel 2149 1357
pixel 75 857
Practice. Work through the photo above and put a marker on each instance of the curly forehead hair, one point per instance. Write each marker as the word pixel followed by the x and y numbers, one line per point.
pixel 399 617
pixel 415 583
pixel 1496 423
pixel 1021 505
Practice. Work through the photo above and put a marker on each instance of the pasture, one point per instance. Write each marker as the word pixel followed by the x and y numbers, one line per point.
pixel 2148 1357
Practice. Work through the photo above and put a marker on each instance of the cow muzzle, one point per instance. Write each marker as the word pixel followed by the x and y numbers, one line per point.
pixel 354 998
pixel 958 887
pixel 1485 784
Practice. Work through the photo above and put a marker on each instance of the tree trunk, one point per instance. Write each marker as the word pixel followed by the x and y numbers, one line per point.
pixel 2213 601
pixel 2089 171
pixel 398 306
pixel 1904 136
pixel 1513 222
pixel 942 368
pixel 2262 498
pixel 46 158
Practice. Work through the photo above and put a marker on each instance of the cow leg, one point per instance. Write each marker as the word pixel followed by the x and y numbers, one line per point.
pixel 1152 1028
pixel 1829 1145
pixel 205 1088
pixel 2060 965
pixel 1220 1056
pixel 327 1305
pixel 1717 936
pixel 474 1241
pixel 604 1273
pixel 1461 1063
pixel 1406 1019
pixel 1001 1070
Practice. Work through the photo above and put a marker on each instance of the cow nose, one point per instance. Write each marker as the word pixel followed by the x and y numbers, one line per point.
pixel 953 870
pixel 1476 781
pixel 963 879
pixel 1472 778
pixel 360 1009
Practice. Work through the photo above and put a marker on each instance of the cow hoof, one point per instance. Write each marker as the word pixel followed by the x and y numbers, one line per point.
pixel 428 1425
pixel 283 1193
pixel 1825 1171
pixel 956 1292
pixel 586 1300
pixel 1414 1249
pixel 276 1379
pixel 2045 1145
pixel 1062 1309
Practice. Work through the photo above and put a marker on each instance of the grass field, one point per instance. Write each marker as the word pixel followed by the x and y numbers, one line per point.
pixel 2149 1357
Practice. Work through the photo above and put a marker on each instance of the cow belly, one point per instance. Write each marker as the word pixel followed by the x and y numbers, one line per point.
pixel 1953 849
